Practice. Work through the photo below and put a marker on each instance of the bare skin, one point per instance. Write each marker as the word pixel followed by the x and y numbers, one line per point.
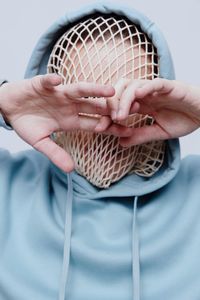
pixel 37 107
pixel 175 107
pixel 40 106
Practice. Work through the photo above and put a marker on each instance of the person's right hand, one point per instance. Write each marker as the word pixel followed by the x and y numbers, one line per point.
pixel 37 107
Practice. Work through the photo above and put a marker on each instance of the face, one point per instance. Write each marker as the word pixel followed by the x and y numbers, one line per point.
pixel 104 58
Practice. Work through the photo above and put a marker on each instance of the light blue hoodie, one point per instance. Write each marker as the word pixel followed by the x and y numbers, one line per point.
pixel 62 238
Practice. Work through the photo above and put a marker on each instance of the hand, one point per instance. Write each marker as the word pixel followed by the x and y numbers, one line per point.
pixel 37 107
pixel 174 106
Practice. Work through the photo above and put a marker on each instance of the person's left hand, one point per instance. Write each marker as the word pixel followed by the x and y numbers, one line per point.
pixel 174 106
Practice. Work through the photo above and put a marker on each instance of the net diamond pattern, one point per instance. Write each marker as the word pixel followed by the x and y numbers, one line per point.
pixel 104 48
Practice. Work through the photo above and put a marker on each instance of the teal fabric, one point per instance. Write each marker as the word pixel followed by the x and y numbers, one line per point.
pixel 63 238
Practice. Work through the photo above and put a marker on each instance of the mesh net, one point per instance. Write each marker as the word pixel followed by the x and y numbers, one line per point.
pixel 104 48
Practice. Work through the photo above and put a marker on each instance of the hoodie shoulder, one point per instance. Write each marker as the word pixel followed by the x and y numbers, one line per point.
pixel 190 170
pixel 191 164
pixel 24 164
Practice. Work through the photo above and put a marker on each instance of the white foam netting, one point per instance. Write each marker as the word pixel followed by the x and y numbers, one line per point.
pixel 104 48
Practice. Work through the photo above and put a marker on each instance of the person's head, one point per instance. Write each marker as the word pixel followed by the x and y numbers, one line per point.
pixel 103 49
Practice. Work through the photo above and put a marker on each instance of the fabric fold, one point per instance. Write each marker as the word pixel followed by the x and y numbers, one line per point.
pixel 67 246
pixel 135 253
pixel 67 239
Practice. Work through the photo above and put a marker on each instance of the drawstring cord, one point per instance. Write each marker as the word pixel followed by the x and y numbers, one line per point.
pixel 67 239
pixel 67 242
pixel 135 254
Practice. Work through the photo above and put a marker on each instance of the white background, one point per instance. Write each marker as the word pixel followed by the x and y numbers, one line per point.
pixel 22 22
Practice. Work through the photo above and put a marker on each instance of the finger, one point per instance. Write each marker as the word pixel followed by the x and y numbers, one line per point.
pixel 127 99
pixel 93 106
pixel 118 130
pixel 87 89
pixel 113 102
pixel 135 107
pixel 55 153
pixel 144 135
pixel 157 85
pixel 103 124
pixel 49 81
pixel 92 123
pixel 143 108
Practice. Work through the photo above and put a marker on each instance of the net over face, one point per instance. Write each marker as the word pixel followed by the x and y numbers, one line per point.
pixel 103 49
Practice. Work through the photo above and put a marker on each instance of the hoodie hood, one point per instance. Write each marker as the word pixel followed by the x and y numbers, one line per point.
pixel 130 184
pixel 39 59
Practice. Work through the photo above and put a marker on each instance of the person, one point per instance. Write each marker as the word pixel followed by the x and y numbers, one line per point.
pixel 119 241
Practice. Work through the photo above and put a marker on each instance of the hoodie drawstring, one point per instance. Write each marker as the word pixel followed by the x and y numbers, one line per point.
pixel 135 254
pixel 67 239
pixel 67 243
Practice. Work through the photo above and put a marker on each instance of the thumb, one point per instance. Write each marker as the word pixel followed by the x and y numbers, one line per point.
pixel 55 153
pixel 144 135
pixel 49 81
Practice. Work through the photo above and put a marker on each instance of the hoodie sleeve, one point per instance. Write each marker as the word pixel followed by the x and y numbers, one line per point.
pixel 2 121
